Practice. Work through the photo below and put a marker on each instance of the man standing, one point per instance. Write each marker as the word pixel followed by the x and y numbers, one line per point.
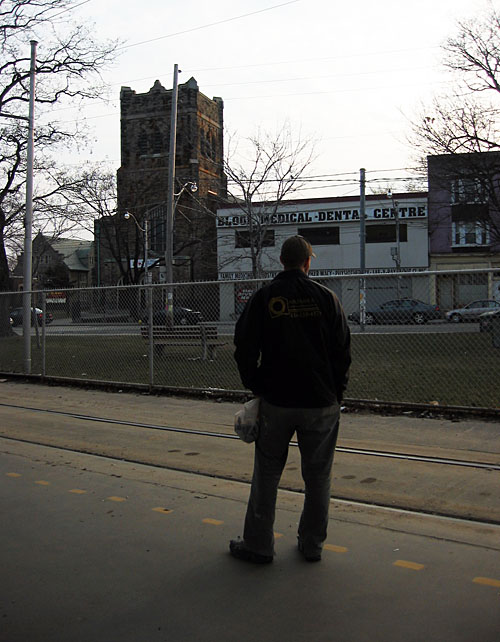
pixel 293 351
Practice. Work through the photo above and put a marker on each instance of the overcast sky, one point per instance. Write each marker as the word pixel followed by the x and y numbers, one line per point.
pixel 349 75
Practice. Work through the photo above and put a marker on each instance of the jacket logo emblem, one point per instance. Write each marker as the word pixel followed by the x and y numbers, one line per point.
pixel 278 307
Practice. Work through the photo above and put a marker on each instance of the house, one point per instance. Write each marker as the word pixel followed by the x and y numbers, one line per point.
pixel 58 263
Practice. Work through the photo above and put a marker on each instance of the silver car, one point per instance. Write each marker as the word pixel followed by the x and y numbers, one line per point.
pixel 472 310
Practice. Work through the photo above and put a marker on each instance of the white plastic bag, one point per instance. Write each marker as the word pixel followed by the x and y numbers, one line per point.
pixel 246 421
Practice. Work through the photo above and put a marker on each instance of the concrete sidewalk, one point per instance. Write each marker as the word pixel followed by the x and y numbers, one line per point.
pixel 108 551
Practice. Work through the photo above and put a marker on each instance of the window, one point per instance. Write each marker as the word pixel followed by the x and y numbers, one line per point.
pixel 466 233
pixel 467 190
pixel 157 145
pixel 142 142
pixel 156 229
pixel 242 239
pixel 383 233
pixel 320 235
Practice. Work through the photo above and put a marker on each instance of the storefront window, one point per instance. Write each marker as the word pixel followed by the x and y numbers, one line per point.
pixel 243 239
pixel 384 233
pixel 320 235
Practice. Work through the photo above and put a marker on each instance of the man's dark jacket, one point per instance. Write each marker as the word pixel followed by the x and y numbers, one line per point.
pixel 293 343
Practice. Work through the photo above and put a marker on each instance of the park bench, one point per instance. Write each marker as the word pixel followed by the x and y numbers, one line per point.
pixel 203 335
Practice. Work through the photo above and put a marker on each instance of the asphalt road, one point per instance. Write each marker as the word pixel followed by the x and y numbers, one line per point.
pixel 67 327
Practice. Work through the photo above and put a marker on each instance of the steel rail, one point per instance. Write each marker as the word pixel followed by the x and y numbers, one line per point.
pixel 221 435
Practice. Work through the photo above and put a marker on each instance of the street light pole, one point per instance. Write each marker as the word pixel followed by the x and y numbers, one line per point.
pixel 362 248
pixel 397 257
pixel 28 221
pixel 169 228
pixel 148 292
pixel 145 232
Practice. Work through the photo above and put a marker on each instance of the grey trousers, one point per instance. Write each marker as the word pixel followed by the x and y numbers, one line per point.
pixel 317 431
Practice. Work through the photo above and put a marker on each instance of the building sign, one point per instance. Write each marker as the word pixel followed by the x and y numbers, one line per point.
pixel 324 216
pixel 244 294
pixel 56 297
pixel 242 276
pixel 140 263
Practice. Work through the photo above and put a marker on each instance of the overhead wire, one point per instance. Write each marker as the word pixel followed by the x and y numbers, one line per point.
pixel 211 24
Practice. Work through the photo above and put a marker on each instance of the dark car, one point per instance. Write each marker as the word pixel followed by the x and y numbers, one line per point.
pixel 400 311
pixel 182 316
pixel 487 319
pixel 17 316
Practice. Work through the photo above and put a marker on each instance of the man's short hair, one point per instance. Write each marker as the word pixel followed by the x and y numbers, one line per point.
pixel 295 251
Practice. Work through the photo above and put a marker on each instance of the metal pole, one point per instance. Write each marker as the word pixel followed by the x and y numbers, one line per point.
pixel 28 221
pixel 169 250
pixel 395 209
pixel 362 249
pixel 98 237
pixel 146 271
pixel 398 247
pixel 44 327
pixel 149 292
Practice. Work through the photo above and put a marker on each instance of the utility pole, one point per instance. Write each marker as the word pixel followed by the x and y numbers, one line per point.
pixel 362 249
pixel 28 221
pixel 397 256
pixel 169 227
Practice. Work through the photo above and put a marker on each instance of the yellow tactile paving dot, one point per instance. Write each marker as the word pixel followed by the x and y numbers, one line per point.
pixel 114 498
pixel 414 566
pixel 487 581
pixel 335 549
pixel 41 482
pixel 165 511
pixel 214 522
pixel 77 491
pixel 13 475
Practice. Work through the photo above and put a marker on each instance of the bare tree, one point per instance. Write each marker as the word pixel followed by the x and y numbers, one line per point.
pixel 464 123
pixel 466 120
pixel 69 59
pixel 274 170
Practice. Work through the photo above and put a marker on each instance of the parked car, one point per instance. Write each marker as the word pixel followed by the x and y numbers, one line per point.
pixel 182 316
pixel 17 316
pixel 487 319
pixel 400 311
pixel 472 311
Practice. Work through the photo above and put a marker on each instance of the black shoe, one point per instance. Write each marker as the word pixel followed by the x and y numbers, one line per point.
pixel 310 557
pixel 238 549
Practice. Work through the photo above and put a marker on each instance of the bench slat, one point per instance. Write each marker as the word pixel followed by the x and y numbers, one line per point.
pixel 202 335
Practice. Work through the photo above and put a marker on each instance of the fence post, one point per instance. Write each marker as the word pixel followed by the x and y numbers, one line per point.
pixel 149 299
pixel 44 312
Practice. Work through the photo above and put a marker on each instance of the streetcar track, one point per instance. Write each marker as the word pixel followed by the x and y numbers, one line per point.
pixel 343 499
pixel 221 435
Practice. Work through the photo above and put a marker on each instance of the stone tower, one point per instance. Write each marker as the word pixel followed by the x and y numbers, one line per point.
pixel 142 177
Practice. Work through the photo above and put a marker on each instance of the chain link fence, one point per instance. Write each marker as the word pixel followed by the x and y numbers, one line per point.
pixel 427 337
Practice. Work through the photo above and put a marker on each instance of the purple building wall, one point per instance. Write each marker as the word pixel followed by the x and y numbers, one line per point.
pixel 464 194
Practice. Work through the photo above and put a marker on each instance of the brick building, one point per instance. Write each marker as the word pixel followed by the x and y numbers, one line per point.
pixel 143 177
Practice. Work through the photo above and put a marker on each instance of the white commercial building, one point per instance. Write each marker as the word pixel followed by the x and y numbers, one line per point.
pixel 332 226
